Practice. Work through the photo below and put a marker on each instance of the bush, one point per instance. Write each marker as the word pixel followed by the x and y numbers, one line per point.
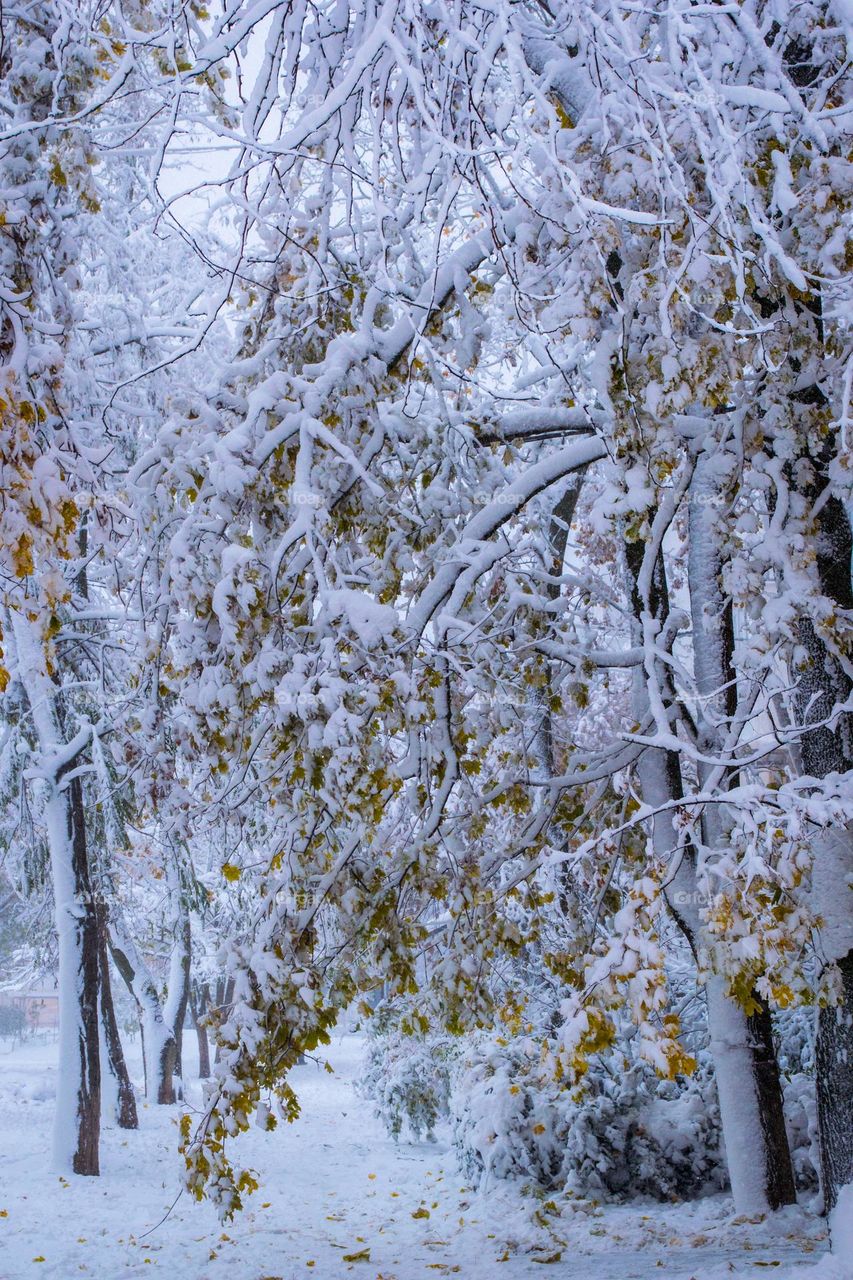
pixel 623 1132
pixel 12 1020
pixel 408 1078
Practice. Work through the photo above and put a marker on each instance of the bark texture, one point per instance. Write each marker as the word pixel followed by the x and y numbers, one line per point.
pixel 85 1159
pixel 834 1070
pixel 826 747
pixel 126 1113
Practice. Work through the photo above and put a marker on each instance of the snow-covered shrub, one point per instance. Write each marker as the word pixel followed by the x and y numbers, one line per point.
pixel 12 1020
pixel 505 1123
pixel 623 1132
pixel 407 1075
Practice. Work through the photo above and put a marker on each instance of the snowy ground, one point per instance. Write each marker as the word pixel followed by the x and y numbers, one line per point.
pixel 332 1186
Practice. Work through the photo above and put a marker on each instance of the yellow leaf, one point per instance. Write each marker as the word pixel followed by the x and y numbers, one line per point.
pixel 363 1255
pixel 22 556
pixel 421 1213
pixel 230 872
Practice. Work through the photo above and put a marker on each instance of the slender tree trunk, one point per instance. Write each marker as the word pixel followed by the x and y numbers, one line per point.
pixel 561 519
pixel 738 1061
pixel 713 663
pixel 85 1159
pixel 158 1043
pixel 199 1005
pixel 175 1008
pixel 125 1099
pixel 225 995
pixel 78 1095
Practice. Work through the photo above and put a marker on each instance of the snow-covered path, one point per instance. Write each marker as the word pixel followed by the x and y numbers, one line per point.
pixel 338 1198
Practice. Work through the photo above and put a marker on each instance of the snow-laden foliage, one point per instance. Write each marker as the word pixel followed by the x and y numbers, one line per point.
pixel 425 538
pixel 408 1076
pixel 643 250
pixel 622 1133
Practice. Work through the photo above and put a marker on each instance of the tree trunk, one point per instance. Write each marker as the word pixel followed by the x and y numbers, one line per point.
pixel 87 1083
pixel 752 1137
pixel 125 1099
pixel 825 749
pixel 225 995
pixel 199 1005
pixel 158 1043
pixel 78 1094
pixel 561 518
pixel 175 1008
pixel 834 1070
pixel 754 1056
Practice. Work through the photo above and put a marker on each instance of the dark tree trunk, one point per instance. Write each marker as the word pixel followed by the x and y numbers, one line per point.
pixel 823 685
pixel 780 1184
pixel 85 1160
pixel 834 1070
pixel 126 1115
pixel 166 1073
